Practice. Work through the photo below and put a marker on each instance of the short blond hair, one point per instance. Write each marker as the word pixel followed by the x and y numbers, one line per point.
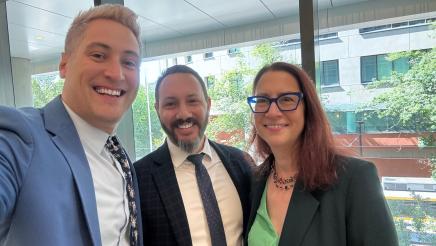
pixel 114 12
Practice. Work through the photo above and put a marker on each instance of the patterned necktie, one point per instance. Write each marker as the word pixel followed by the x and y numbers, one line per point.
pixel 210 204
pixel 115 148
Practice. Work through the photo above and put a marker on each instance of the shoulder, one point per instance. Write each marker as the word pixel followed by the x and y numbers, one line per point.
pixel 235 154
pixel 18 123
pixel 357 176
pixel 147 162
pixel 350 166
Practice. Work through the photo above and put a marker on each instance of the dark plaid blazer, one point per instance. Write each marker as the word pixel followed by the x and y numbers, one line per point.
pixel 164 218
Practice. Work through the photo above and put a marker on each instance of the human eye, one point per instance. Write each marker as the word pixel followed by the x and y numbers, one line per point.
pixel 261 100
pixel 288 98
pixel 193 101
pixel 169 104
pixel 97 56
pixel 130 63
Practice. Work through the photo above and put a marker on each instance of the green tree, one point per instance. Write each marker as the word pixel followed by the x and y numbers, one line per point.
pixel 411 98
pixel 231 114
pixel 45 88
pixel 142 112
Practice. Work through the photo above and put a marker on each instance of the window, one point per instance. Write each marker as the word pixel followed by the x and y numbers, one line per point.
pixel 397 25
pixel 378 67
pixel 208 55
pixel 233 51
pixel 329 73
pixel 188 59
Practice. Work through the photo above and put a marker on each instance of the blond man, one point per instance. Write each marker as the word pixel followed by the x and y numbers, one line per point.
pixel 64 177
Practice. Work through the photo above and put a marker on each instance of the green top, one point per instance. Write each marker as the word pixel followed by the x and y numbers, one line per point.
pixel 262 232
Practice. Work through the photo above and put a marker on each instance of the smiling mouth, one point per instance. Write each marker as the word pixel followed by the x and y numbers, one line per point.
pixel 276 126
pixel 109 92
pixel 185 125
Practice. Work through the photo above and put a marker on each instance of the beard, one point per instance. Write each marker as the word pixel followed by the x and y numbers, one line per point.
pixel 186 145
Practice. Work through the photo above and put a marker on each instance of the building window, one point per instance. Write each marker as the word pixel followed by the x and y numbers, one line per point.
pixel 398 25
pixel 378 67
pixel 329 73
pixel 208 55
pixel 210 81
pixel 233 51
pixel 188 59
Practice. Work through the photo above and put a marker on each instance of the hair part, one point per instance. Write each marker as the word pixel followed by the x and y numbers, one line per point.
pixel 317 154
pixel 114 12
pixel 179 69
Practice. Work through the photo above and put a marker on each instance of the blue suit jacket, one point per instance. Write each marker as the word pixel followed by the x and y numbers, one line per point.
pixel 47 194
pixel 164 217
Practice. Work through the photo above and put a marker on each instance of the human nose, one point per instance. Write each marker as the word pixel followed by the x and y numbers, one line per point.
pixel 114 70
pixel 183 112
pixel 273 109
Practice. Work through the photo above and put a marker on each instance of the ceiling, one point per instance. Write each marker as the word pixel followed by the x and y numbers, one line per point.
pixel 37 28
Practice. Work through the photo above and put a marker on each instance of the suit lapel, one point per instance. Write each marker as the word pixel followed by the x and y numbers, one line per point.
pixel 299 216
pixel 165 179
pixel 65 137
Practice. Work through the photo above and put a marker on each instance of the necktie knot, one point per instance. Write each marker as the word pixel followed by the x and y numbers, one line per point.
pixel 197 159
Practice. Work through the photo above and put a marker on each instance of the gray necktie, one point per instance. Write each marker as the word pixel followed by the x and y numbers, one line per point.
pixel 115 148
pixel 210 204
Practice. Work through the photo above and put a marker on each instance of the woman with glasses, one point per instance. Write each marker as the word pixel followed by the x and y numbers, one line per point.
pixel 306 192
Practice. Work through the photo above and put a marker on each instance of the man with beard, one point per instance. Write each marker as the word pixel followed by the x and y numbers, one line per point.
pixel 189 199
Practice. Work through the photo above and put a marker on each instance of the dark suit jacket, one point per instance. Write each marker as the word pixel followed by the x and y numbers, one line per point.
pixel 47 195
pixel 163 213
pixel 351 212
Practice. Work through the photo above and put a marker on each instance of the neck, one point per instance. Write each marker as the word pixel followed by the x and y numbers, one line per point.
pixel 285 162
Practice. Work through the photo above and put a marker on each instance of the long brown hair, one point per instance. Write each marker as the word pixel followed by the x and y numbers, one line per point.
pixel 317 158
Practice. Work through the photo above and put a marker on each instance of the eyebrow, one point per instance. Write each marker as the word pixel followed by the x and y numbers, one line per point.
pixel 280 94
pixel 107 47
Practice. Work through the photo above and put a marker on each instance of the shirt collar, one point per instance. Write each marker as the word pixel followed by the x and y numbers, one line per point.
pixel 94 137
pixel 178 156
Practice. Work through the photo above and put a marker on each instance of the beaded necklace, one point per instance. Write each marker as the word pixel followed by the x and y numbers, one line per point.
pixel 282 183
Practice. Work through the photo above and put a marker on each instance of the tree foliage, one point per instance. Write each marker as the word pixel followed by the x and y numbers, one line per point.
pixel 146 121
pixel 231 113
pixel 45 88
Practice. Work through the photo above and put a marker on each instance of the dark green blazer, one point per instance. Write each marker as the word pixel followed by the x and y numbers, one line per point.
pixel 351 212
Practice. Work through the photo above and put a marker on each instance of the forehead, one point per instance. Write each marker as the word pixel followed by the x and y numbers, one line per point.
pixel 180 85
pixel 111 33
pixel 276 82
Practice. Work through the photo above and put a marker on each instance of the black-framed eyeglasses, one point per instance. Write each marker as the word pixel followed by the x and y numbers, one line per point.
pixel 285 102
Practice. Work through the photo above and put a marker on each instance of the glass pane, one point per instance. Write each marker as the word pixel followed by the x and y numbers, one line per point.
pixel 384 67
pixel 401 65
pixel 388 124
pixel 369 68
pixel 330 73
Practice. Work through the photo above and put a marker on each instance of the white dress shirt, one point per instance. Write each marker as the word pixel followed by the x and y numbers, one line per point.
pixel 109 183
pixel 226 194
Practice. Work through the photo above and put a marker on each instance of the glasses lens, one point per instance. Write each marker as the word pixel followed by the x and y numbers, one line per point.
pixel 288 102
pixel 259 104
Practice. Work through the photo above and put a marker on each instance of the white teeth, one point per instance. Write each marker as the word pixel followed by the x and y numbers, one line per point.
pixel 108 91
pixel 274 126
pixel 186 125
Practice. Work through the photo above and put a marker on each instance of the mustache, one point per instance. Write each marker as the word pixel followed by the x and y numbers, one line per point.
pixel 178 122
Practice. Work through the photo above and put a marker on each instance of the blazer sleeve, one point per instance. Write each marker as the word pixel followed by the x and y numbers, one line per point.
pixel 369 221
pixel 16 146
